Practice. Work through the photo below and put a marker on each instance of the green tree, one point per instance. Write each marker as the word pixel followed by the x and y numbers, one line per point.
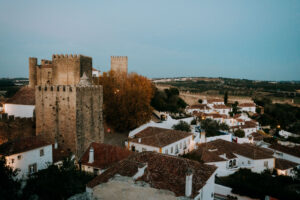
pixel 239 133
pixel 9 184
pixel 226 97
pixel 57 182
pixel 182 126
pixel 223 127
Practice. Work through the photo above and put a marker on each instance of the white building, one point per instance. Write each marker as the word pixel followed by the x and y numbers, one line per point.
pixel 22 104
pixel 287 134
pixel 199 108
pixel 149 175
pixel 229 156
pixel 221 109
pixel 162 140
pixel 98 157
pixel 248 107
pixel 28 155
pixel 96 72
pixel 287 153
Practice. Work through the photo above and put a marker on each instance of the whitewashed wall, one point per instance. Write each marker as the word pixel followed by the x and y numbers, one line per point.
pixel 208 190
pixel 19 110
pixel 286 156
pixel 29 158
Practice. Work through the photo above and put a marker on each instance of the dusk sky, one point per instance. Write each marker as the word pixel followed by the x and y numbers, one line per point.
pixel 253 39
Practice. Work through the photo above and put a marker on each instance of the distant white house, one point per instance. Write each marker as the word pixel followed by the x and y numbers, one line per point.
pixel 287 134
pixel 221 109
pixel 96 72
pixel 28 155
pixel 166 141
pixel 22 104
pixel 150 175
pixel 229 156
pixel 248 107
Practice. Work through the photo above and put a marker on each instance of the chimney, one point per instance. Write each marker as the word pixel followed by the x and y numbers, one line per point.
pixel 55 144
pixel 91 155
pixel 188 183
pixel 140 140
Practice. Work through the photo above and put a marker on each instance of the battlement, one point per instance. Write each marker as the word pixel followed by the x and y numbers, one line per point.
pixel 68 56
pixel 66 88
pixel 46 62
pixel 119 58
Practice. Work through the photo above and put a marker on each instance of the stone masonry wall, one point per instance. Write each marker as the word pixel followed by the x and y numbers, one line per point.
pixel 119 63
pixel 89 119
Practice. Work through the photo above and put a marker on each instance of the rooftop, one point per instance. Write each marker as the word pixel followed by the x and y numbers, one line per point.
pixel 221 107
pixel 295 151
pixel 211 151
pixel 284 164
pixel 104 155
pixel 25 96
pixel 22 145
pixel 247 105
pixel 159 137
pixel 162 172
pixel 199 106
pixel 214 100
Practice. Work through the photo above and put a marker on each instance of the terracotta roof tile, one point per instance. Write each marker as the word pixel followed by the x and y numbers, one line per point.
pixel 199 106
pixel 104 155
pixel 295 151
pixel 159 137
pixel 162 172
pixel 211 151
pixel 25 96
pixel 221 107
pixel 284 164
pixel 247 105
pixel 22 145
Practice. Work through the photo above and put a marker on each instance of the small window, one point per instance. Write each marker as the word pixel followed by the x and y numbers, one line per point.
pixel 171 149
pixel 180 145
pixel 19 157
pixel 32 168
pixel 166 151
pixel 249 162
pixel 12 161
pixel 41 152
pixel 266 164
pixel 96 171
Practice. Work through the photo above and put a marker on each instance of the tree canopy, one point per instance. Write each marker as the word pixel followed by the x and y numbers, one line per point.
pixel 182 126
pixel 9 185
pixel 239 133
pixel 212 127
pixel 126 100
pixel 57 182
pixel 168 100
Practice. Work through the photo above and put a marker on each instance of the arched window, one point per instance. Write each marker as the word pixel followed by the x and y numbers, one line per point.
pixel 230 163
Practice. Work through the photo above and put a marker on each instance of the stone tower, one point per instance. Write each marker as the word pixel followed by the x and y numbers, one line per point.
pixel 32 72
pixel 119 63
pixel 62 70
pixel 69 109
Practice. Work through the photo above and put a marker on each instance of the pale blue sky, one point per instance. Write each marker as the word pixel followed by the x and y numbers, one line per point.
pixel 254 39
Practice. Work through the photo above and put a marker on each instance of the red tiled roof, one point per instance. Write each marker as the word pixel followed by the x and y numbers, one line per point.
pixel 284 164
pixel 295 151
pixel 256 136
pixel 216 115
pixel 211 151
pixel 22 145
pixel 104 155
pixel 159 137
pixel 25 96
pixel 199 106
pixel 247 105
pixel 221 107
pixel 162 172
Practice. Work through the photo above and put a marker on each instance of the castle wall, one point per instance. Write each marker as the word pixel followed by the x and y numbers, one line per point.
pixel 56 114
pixel 119 63
pixel 32 72
pixel 44 74
pixel 89 119
pixel 67 69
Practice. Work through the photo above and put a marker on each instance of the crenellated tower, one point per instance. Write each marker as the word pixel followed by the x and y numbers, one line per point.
pixel 119 63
